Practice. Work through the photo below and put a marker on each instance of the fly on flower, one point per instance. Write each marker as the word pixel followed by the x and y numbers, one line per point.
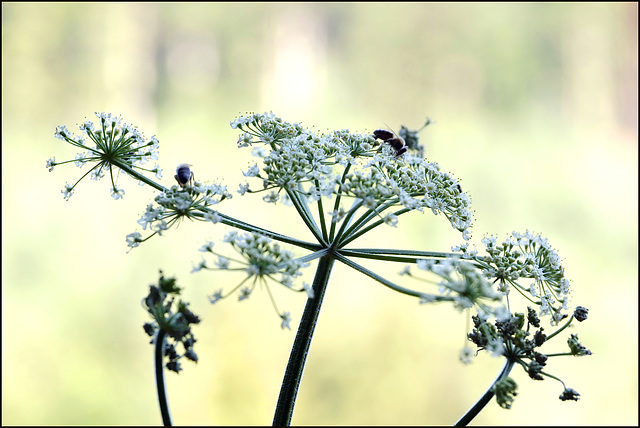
pixel 184 176
pixel 394 140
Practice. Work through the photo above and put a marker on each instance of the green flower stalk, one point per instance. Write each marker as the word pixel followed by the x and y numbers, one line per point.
pixel 342 185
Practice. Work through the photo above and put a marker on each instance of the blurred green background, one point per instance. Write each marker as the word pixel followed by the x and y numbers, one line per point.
pixel 535 108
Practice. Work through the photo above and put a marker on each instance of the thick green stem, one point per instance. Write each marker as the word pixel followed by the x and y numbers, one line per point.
pixel 484 400
pixel 162 393
pixel 300 349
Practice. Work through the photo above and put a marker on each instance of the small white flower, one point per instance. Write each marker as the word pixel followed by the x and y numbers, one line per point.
pixel 215 296
pixel 244 188
pixel 62 132
pixel 286 320
pixel 424 264
pixel 337 215
pixel 259 151
pixel 86 126
pixel 207 247
pixel 466 355
pixel 253 171
pixel 213 217
pixel 245 292
pixel 201 265
pixel 134 239
pixel 222 263
pixel 97 173
pixel 67 191
pixel 271 197
pixel 390 219
pixel 502 313
pixel 51 162
pixel 117 193
pixel 496 347
pixel 309 290
pixel 427 298
pixel 245 140
pixel 79 159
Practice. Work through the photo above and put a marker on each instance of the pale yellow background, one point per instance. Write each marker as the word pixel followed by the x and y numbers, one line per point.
pixel 535 110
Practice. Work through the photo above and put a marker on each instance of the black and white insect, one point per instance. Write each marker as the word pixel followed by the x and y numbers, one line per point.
pixel 184 176
pixel 394 140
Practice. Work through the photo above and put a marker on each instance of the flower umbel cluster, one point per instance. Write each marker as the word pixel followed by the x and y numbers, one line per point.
pixel 263 260
pixel 357 166
pixel 111 145
pixel 525 256
pixel 461 281
pixel 518 338
pixel 173 319
pixel 176 204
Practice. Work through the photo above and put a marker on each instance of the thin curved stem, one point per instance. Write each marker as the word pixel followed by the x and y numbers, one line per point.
pixel 162 393
pixel 238 224
pixel 305 215
pixel 345 222
pixel 391 285
pixel 486 397
pixel 366 217
pixel 406 256
pixel 336 205
pixel 301 344
pixel 355 234
pixel 321 217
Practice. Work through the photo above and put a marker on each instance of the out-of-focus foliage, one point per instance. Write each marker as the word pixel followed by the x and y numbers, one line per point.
pixel 534 109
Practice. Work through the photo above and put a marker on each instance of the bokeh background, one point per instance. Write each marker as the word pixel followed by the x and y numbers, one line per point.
pixel 536 112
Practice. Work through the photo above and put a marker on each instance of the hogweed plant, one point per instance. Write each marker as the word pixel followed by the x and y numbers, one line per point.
pixel 342 185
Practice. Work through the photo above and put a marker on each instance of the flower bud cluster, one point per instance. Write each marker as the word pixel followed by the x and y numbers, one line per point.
pixel 510 337
pixel 172 318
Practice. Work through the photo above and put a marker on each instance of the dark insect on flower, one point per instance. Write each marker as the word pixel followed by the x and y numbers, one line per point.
pixel 411 136
pixel 184 176
pixel 394 140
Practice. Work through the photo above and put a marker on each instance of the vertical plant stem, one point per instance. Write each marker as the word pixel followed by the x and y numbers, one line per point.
pixel 484 400
pixel 162 393
pixel 300 349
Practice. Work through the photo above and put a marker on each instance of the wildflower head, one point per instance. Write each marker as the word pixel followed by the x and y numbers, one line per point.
pixel 462 283
pixel 177 203
pixel 263 262
pixel 525 256
pixel 343 165
pixel 108 147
